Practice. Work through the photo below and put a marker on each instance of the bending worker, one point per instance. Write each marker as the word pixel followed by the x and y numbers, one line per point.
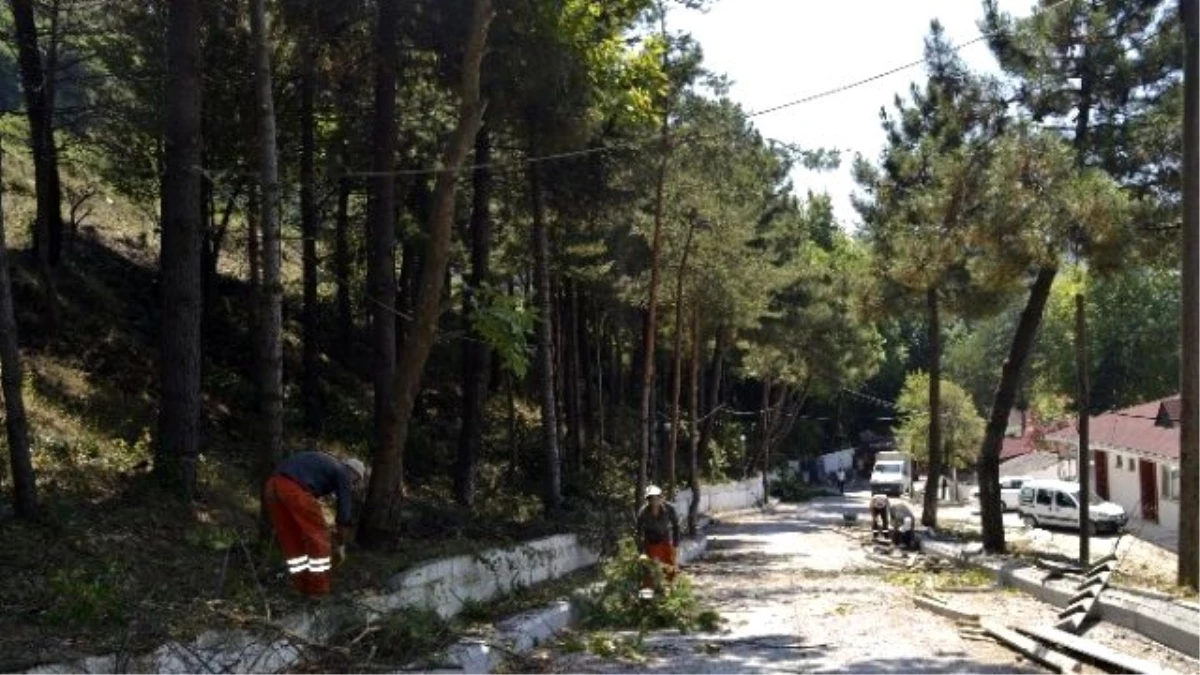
pixel 903 526
pixel 879 515
pixel 658 530
pixel 291 495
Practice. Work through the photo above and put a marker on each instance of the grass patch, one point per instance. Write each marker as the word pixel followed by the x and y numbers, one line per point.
pixel 960 577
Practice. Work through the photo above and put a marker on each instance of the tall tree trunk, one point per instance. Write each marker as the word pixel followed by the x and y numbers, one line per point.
pixel 571 379
pixel 182 231
pixel 650 328
pixel 39 108
pixel 253 252
pixel 1006 393
pixel 387 484
pixel 477 355
pixel 1189 434
pixel 712 398
pixel 15 423
pixel 272 291
pixel 677 366
pixel 341 270
pixel 552 481
pixel 310 390
pixel 693 514
pixel 936 459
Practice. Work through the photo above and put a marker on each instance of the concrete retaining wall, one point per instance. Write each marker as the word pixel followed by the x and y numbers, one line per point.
pixel 723 498
pixel 441 585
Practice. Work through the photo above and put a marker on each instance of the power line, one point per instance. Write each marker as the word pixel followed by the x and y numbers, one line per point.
pixel 656 138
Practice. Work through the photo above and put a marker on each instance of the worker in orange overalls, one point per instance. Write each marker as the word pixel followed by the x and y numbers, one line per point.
pixel 658 532
pixel 291 495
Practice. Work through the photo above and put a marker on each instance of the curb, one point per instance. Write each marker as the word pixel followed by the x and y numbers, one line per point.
pixel 1172 624
pixel 528 630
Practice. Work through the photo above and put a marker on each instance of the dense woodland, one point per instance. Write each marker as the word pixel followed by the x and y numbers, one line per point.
pixel 527 256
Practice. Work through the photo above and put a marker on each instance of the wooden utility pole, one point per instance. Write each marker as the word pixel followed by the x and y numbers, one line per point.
pixel 1189 436
pixel 1085 453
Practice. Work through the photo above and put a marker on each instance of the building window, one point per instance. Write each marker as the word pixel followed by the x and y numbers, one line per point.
pixel 1130 464
pixel 1119 462
pixel 1170 482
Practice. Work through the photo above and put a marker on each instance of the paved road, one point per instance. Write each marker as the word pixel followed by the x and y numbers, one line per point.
pixel 801 596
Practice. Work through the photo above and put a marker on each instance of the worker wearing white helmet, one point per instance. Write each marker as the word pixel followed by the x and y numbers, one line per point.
pixel 658 530
pixel 291 495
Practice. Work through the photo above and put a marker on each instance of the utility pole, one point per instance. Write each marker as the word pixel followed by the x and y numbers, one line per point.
pixel 1085 451
pixel 1189 435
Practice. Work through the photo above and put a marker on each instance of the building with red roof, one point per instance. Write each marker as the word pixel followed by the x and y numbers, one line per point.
pixel 1135 458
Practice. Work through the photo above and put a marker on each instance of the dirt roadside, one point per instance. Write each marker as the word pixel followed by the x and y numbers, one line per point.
pixel 801 595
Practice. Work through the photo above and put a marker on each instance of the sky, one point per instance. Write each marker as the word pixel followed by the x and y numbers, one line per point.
pixel 776 51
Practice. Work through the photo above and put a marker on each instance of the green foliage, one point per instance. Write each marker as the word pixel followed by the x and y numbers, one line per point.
pixel 506 323
pixel 962 425
pixel 88 595
pixel 617 605
pixel 791 488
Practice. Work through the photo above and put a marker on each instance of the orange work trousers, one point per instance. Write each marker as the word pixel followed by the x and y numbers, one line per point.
pixel 300 528
pixel 663 552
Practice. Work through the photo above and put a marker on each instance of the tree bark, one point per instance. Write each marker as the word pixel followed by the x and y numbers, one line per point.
pixel 552 480
pixel 650 328
pixel 933 476
pixel 341 270
pixel 712 399
pixel 387 483
pixel 693 514
pixel 1006 392
pixel 477 355
pixel 677 366
pixel 39 108
pixel 16 424
pixel 571 348
pixel 272 291
pixel 182 230
pixel 310 391
pixel 1189 435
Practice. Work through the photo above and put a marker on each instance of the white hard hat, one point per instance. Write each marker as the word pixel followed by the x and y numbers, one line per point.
pixel 356 465
pixel 653 491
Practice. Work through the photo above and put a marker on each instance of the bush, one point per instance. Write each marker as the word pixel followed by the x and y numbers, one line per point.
pixel 791 488
pixel 618 605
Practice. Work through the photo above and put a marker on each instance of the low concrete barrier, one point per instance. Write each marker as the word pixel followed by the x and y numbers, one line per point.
pixel 1170 623
pixel 442 585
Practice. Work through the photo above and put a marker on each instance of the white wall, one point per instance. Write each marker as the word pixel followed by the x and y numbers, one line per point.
pixel 1124 486
pixel 735 496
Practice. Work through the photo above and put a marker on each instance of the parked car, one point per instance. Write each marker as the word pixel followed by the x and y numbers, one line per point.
pixel 1056 502
pixel 1010 492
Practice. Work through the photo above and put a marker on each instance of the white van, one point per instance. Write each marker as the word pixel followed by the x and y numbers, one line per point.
pixel 1056 502
pixel 1010 492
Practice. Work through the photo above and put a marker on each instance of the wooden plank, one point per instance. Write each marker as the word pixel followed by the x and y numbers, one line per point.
pixel 1056 661
pixel 939 607
pixel 1093 651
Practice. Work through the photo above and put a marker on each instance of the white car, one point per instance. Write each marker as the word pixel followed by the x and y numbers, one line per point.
pixel 1010 492
pixel 1056 502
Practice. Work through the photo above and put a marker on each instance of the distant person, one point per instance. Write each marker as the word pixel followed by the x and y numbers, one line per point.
pixel 291 495
pixel 904 524
pixel 879 514
pixel 945 486
pixel 658 531
pixel 841 480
